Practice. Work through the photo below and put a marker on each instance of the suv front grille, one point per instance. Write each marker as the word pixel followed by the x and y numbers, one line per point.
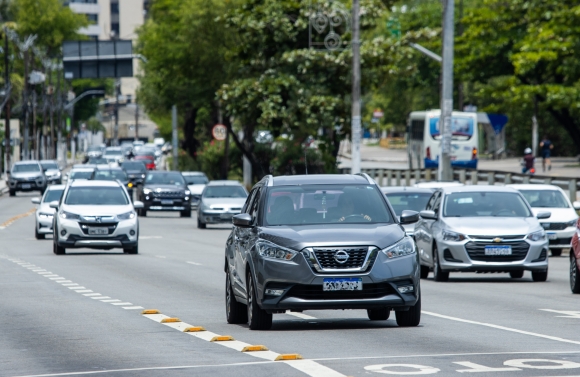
pixel 315 292
pixel 476 251
pixel 554 226
pixel 168 194
pixel 356 257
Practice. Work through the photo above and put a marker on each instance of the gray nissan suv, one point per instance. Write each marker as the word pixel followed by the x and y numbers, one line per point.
pixel 320 242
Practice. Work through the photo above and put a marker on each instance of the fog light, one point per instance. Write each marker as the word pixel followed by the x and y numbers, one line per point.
pixel 406 289
pixel 132 232
pixel 146 198
pixel 63 232
pixel 187 198
pixel 274 292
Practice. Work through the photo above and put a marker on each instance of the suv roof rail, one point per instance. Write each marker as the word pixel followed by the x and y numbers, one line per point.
pixel 270 179
pixel 365 175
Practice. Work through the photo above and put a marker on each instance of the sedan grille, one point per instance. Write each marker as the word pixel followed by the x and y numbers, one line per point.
pixel 164 194
pixel 554 226
pixel 476 251
pixel 356 258
pixel 315 292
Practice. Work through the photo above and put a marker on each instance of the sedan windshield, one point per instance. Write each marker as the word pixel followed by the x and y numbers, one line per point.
pixel 49 165
pixel 481 204
pixel 96 196
pixel 169 178
pixel 545 198
pixel 94 148
pixel 81 174
pixel 25 168
pixel 224 192
pixel 52 195
pixel 401 201
pixel 130 165
pixel 195 179
pixel 113 152
pixel 110 175
pixel 324 204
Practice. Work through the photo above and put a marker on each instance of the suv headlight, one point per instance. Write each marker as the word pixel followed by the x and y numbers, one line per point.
pixel 270 250
pixel 147 191
pixel 572 222
pixel 69 216
pixel 126 216
pixel 537 236
pixel 406 246
pixel 452 236
pixel 187 192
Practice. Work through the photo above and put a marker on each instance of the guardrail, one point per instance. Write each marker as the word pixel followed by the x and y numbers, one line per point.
pixel 407 177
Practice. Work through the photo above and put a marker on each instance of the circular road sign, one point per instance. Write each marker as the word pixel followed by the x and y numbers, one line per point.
pixel 219 132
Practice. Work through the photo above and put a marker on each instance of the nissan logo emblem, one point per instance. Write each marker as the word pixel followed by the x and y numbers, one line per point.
pixel 341 256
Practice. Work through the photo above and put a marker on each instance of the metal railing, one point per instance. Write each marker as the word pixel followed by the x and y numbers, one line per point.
pixel 407 177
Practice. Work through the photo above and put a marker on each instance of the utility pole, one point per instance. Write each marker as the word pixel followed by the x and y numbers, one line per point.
pixel 174 134
pixel 7 113
pixel 115 141
pixel 136 120
pixel 26 146
pixel 51 149
pixel 445 171
pixel 356 114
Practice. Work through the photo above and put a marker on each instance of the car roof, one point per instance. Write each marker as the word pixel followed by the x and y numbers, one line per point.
pixel 399 189
pixel 83 169
pixel 319 179
pixel 56 162
pixel 55 187
pixel 107 167
pixel 437 184
pixel 478 188
pixel 534 187
pixel 91 183
pixel 29 162
pixel 193 173
pixel 224 183
pixel 113 148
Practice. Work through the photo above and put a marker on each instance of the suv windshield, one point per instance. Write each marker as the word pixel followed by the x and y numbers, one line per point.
pixel 113 152
pixel 545 198
pixel 401 201
pixel 81 174
pixel 96 196
pixel 170 178
pixel 481 204
pixel 52 195
pixel 94 148
pixel 25 168
pixel 134 166
pixel 233 191
pixel 324 204
pixel 110 175
pixel 195 179
pixel 49 165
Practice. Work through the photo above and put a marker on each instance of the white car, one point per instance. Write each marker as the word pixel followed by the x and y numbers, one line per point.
pixel 97 215
pixel 436 185
pixel 44 213
pixel 196 182
pixel 561 226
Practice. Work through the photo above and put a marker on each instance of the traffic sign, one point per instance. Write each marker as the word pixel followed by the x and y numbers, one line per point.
pixel 219 132
pixel 378 113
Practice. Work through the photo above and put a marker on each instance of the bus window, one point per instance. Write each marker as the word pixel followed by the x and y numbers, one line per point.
pixel 462 128
pixel 417 129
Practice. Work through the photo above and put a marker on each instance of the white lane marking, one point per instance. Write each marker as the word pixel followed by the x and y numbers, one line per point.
pixel 300 315
pixel 100 298
pixel 51 276
pixel 568 314
pixel 120 303
pixel 69 284
pixel 195 263
pixel 110 300
pixel 502 328
pixel 92 294
pixel 64 281
pixel 76 287
pixel 477 368
pixel 59 278
pixel 83 291
pixel 312 368
pixel 132 307
pixel 45 273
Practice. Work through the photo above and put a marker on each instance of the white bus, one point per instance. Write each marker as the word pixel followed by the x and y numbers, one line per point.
pixel 424 139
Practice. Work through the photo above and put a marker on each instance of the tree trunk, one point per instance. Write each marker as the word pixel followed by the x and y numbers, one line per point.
pixel 190 143
pixel 568 122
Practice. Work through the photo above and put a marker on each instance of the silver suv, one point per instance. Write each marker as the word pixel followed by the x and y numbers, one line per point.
pixel 97 215
pixel 320 242
pixel 26 176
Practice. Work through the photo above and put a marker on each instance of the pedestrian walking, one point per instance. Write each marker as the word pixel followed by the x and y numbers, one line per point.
pixel 546 147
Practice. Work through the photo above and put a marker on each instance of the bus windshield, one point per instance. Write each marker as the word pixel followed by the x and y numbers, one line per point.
pixel 461 127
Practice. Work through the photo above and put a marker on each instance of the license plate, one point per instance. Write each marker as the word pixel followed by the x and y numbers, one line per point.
pixel 98 231
pixel 498 250
pixel 167 202
pixel 26 186
pixel 342 284
pixel 226 216
pixel 552 236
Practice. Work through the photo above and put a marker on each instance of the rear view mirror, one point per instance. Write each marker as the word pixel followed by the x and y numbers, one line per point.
pixel 243 220
pixel 428 215
pixel 543 215
pixel 138 205
pixel 53 204
pixel 409 217
pixel 35 200
pixel 576 205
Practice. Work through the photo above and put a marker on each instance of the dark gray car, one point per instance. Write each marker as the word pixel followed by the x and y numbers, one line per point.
pixel 26 176
pixel 320 242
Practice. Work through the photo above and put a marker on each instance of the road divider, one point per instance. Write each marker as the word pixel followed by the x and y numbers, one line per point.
pixel 11 220
pixel 170 320
pixel 255 348
pixel 222 338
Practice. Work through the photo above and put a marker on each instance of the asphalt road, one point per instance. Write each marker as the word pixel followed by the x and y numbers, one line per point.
pixel 80 314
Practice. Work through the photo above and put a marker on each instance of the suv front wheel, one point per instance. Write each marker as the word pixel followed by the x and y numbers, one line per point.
pixel 411 317
pixel 236 313
pixel 258 319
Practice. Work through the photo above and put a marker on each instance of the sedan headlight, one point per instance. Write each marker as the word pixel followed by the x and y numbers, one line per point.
pixel 270 250
pixel 406 246
pixel 572 222
pixel 126 216
pixel 143 176
pixel 147 191
pixel 45 215
pixel 452 236
pixel 187 192
pixel 537 236
pixel 69 216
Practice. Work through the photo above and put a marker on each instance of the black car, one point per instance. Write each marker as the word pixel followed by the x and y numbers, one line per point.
pixel 136 171
pixel 165 191
pixel 113 174
pixel 320 242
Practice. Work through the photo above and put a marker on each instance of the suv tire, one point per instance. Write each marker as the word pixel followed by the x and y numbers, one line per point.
pixel 424 272
pixel 58 250
pixel 540 275
pixel 12 192
pixel 186 213
pixel 37 235
pixel 258 319
pixel 200 224
pixel 438 273
pixel 516 274
pixel 574 274
pixel 380 314
pixel 411 317
pixel 556 252
pixel 131 250
pixel 236 313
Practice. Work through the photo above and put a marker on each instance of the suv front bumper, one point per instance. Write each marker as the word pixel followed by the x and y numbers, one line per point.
pixel 125 235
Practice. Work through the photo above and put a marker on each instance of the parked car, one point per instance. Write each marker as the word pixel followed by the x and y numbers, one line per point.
pixel 407 198
pixel 148 160
pixel 97 215
pixel 165 191
pixel 26 176
pixel 481 229
pixel 44 213
pixel 575 261
pixel 52 171
pixel 220 201
pixel 196 182
pixel 135 170
pixel 320 242
pixel 561 226
pixel 113 174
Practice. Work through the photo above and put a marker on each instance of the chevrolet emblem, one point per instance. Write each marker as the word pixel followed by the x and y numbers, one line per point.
pixel 497 239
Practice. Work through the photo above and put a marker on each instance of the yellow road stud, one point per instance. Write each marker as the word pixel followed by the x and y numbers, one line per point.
pixel 289 356
pixel 170 320
pixel 221 338
pixel 194 329
pixel 150 311
pixel 254 348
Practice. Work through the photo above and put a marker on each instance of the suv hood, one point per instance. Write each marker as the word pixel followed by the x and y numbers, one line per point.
pixel 297 237
pixel 33 174
pixel 163 187
pixel 492 226
pixel 238 202
pixel 196 189
pixel 93 210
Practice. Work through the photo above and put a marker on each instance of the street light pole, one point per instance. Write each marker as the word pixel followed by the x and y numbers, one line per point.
pixel 356 113
pixel 7 135
pixel 445 171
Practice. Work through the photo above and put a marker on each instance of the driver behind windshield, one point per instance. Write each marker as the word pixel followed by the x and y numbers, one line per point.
pixel 346 208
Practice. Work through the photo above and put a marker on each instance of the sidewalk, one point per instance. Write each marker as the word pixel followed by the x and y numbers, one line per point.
pixel 3 187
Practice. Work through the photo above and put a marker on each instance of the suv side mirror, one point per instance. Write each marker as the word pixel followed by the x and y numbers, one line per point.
pixel 409 217
pixel 428 215
pixel 138 205
pixel 35 200
pixel 54 204
pixel 543 215
pixel 243 220
pixel 576 205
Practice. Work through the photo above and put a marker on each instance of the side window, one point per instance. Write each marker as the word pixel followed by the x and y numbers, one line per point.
pixel 431 202
pixel 437 203
pixel 247 205
pixel 255 204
